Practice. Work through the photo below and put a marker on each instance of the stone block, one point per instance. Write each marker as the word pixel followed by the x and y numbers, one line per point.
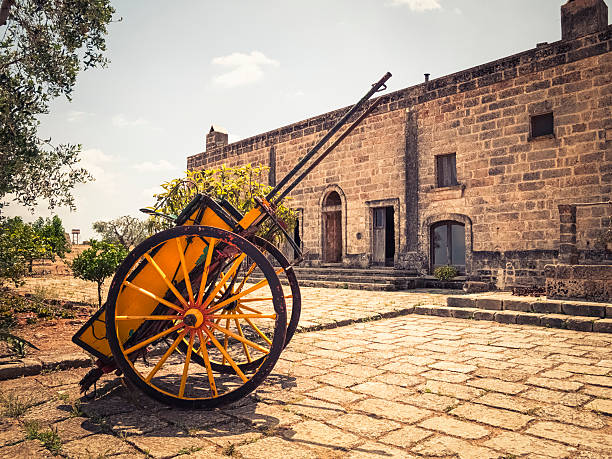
pixel 506 317
pixel 527 318
pixel 602 326
pixel 580 323
pixel 553 321
pixel 517 305
pixel 482 314
pixel 425 310
pixel 578 309
pixel 460 301
pixel 546 307
pixel 440 311
pixel 463 313
pixel 489 304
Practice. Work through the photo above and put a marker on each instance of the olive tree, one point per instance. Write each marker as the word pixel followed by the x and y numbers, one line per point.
pixel 43 46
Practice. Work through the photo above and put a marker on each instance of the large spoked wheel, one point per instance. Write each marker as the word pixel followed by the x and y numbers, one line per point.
pixel 249 304
pixel 178 286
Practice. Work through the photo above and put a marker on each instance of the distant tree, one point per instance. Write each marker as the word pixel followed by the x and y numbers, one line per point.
pixel 20 245
pixel 53 232
pixel 127 231
pixel 98 262
pixel 43 46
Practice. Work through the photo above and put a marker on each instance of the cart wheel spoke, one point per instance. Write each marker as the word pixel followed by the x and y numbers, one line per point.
pixel 155 297
pixel 224 280
pixel 181 253
pixel 166 280
pixel 203 352
pixel 258 331
pixel 152 339
pixel 161 362
pixel 231 299
pixel 186 365
pixel 209 252
pixel 253 310
pixel 147 317
pixel 245 349
pixel 229 333
pixel 226 355
pixel 246 276
pixel 225 341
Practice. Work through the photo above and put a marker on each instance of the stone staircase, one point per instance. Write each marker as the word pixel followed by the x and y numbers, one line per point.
pixel 500 307
pixel 374 278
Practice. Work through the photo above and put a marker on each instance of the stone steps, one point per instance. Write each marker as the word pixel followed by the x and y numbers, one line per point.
pixel 571 315
pixel 377 279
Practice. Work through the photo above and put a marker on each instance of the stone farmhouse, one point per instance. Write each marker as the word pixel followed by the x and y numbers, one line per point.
pixel 499 169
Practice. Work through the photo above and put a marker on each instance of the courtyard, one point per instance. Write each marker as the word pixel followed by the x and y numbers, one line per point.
pixel 406 386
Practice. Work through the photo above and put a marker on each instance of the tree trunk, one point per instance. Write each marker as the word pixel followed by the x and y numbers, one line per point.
pixel 100 294
pixel 5 9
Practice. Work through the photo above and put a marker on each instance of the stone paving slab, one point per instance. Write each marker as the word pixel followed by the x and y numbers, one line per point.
pixel 438 398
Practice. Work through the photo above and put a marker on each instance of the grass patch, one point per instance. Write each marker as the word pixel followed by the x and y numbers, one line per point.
pixel 49 438
pixel 12 406
pixel 229 450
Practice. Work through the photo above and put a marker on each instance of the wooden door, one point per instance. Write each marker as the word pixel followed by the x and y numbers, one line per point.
pixel 332 250
pixel 378 235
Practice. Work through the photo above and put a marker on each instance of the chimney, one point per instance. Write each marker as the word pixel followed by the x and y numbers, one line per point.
pixel 216 137
pixel 583 17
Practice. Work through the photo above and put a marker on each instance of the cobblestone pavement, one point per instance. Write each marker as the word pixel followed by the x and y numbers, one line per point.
pixel 411 386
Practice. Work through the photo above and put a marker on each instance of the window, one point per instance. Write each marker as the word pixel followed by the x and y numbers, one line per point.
pixel 542 125
pixel 446 170
pixel 448 244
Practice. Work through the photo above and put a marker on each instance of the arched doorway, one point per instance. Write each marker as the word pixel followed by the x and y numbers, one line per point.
pixel 447 244
pixel 332 228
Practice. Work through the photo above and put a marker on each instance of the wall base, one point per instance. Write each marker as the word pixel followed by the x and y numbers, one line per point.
pixel 590 282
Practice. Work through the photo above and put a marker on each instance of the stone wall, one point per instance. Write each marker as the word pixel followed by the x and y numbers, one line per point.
pixel 510 184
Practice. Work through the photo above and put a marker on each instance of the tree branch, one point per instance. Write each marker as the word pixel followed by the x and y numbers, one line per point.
pixel 5 10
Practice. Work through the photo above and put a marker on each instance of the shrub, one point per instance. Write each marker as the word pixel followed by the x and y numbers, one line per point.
pixel 445 273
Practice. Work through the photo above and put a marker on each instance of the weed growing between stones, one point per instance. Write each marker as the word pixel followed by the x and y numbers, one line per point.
pixel 187 451
pixel 12 406
pixel 49 438
pixel 229 450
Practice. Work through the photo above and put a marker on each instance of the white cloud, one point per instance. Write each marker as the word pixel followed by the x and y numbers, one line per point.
pixel 101 166
pixel 120 120
pixel 457 11
pixel 160 166
pixel 242 68
pixel 418 5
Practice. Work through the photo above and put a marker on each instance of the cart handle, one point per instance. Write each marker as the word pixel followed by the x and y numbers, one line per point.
pixel 378 86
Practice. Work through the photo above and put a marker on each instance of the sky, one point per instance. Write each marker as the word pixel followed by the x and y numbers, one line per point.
pixel 251 66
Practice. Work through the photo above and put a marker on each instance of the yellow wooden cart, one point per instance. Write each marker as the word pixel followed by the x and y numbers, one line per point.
pixel 196 315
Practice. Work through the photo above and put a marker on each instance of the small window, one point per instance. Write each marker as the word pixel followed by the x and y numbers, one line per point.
pixel 446 170
pixel 379 215
pixel 542 125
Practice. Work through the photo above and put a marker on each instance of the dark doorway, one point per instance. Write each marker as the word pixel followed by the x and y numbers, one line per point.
pixel 383 236
pixel 448 245
pixel 332 228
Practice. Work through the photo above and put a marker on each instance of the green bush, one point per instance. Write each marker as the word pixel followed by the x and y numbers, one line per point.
pixel 98 262
pixel 445 273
